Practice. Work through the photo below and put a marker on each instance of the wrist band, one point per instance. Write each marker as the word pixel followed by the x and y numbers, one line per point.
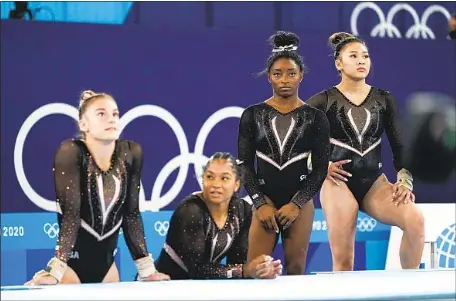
pixel 235 272
pixel 55 268
pixel 298 202
pixel 145 267
pixel 405 179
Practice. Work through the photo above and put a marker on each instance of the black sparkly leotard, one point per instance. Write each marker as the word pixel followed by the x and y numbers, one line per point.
pixel 195 246
pixel 282 144
pixel 356 132
pixel 92 205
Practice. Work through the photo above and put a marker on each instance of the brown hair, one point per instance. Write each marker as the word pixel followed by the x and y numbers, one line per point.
pixel 87 97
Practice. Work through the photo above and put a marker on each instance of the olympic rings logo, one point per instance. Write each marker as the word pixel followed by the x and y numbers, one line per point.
pixel 161 227
pixel 386 26
pixel 52 230
pixel 182 161
pixel 366 224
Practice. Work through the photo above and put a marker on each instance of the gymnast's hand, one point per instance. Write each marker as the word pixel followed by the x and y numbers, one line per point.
pixel 266 215
pixel 264 267
pixel 42 280
pixel 402 195
pixel 287 214
pixel 156 277
pixel 335 171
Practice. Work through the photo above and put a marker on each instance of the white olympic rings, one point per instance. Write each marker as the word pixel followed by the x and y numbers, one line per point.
pixel 181 161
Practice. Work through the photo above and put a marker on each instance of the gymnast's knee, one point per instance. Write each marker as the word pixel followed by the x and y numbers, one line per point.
pixel 295 262
pixel 343 262
pixel 295 267
pixel 414 222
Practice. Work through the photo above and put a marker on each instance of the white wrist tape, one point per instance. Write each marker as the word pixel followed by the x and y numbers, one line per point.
pixel 55 268
pixel 145 267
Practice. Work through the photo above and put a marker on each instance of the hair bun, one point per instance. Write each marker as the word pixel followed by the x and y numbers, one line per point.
pixel 338 37
pixel 284 38
pixel 86 95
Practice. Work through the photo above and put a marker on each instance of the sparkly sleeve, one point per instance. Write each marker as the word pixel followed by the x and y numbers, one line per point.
pixel 320 160
pixel 246 156
pixel 319 101
pixel 394 132
pixel 67 182
pixel 238 251
pixel 188 239
pixel 132 224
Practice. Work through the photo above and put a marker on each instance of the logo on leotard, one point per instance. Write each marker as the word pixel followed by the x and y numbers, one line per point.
pixel 181 161
pixel 385 27
pixel 366 224
pixel 52 230
pixel 302 177
pixel 74 255
pixel 161 227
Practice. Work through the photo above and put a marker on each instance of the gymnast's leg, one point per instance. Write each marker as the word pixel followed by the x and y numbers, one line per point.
pixel 70 277
pixel 378 204
pixel 296 240
pixel 261 240
pixel 341 212
pixel 112 275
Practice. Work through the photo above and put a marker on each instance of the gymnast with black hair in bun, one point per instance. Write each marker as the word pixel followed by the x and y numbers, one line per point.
pixel 289 142
pixel 358 115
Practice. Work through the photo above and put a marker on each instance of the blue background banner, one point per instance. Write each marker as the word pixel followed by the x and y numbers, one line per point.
pixel 390 19
pixel 191 92
pixel 28 242
pixel 181 91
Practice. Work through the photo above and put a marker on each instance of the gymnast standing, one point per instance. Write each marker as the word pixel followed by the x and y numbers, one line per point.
pixel 97 182
pixel 213 224
pixel 290 142
pixel 358 115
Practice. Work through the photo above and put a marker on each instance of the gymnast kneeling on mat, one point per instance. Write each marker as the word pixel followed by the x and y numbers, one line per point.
pixel 210 225
pixel 97 182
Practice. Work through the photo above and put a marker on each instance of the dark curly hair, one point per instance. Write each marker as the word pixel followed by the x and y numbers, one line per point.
pixel 284 45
